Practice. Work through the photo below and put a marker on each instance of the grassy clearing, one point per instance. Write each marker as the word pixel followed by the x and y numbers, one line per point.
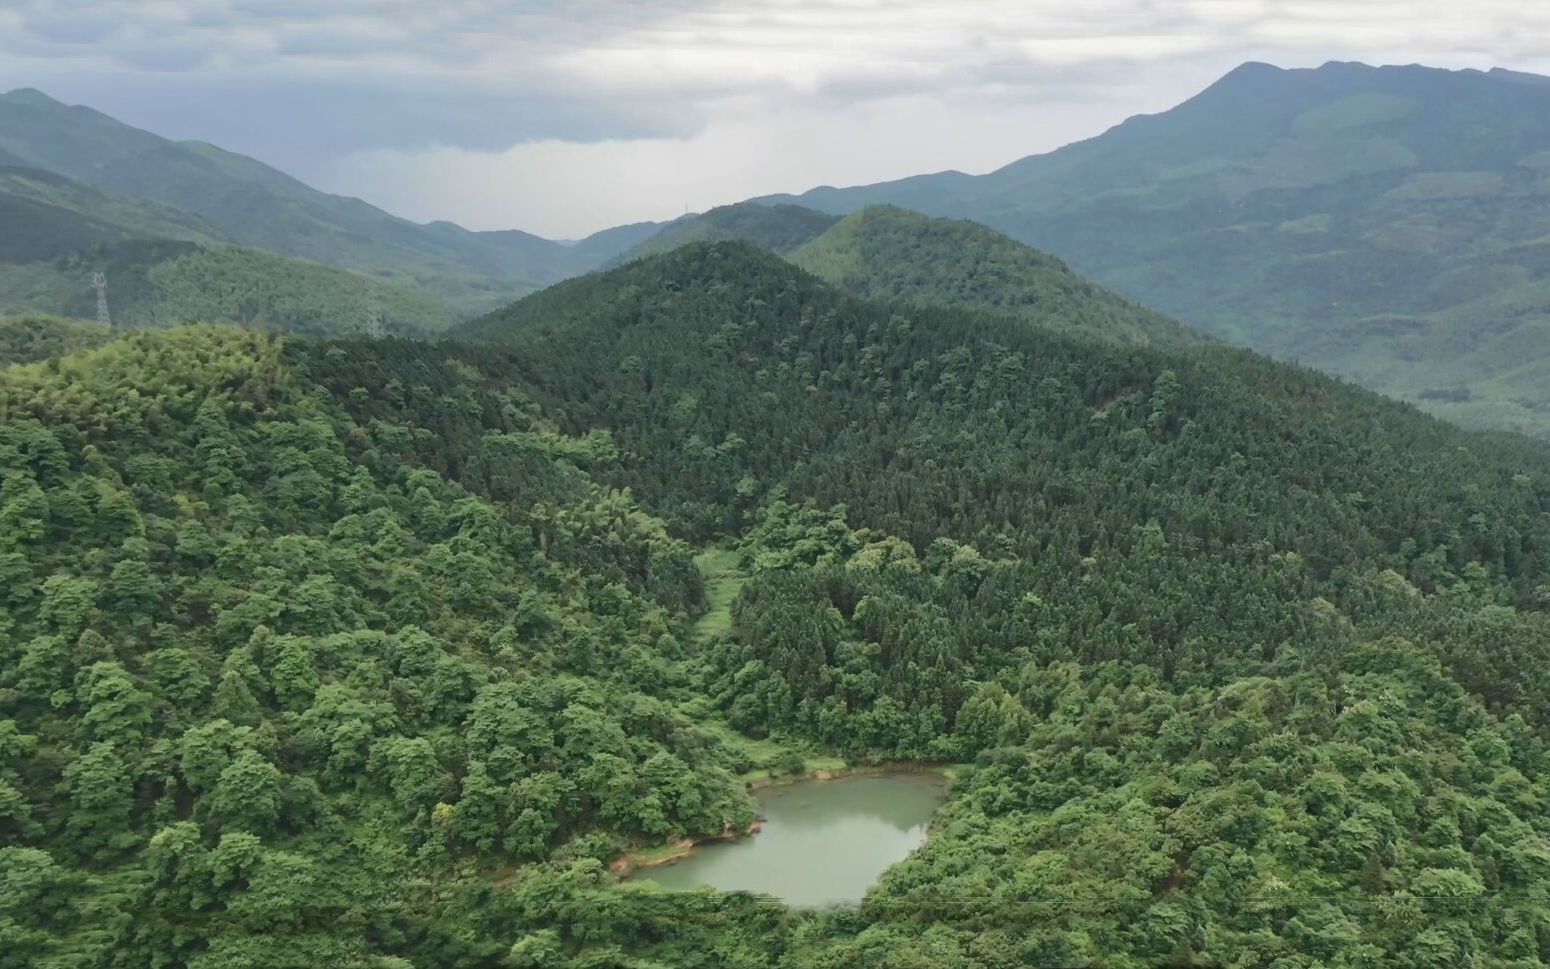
pixel 723 581
pixel 770 757
pixel 819 763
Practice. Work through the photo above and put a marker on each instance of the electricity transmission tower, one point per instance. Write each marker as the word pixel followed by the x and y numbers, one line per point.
pixel 100 282
pixel 375 328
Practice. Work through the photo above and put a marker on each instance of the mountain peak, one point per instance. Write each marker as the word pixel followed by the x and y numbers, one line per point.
pixel 1253 69
pixel 706 272
pixel 31 97
pixel 888 253
pixel 1252 79
pixel 1517 77
pixel 1258 75
pixel 777 228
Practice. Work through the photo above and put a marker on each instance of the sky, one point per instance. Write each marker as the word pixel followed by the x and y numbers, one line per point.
pixel 562 117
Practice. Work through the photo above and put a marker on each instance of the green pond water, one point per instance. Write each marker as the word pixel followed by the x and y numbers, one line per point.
pixel 823 842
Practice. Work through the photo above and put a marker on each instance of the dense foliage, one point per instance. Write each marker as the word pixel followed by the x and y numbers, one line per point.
pixel 1346 805
pixel 377 653
pixel 1137 588
pixel 888 254
pixel 719 363
pixel 256 675
pixel 27 339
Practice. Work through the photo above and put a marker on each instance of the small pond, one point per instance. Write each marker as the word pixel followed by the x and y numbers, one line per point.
pixel 823 842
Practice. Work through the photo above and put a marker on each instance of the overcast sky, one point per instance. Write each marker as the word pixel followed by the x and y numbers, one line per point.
pixel 566 116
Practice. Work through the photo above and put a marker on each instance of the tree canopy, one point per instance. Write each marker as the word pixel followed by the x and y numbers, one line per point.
pixel 378 653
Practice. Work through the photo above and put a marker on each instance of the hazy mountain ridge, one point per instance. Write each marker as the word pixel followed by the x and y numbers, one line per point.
pixel 80 203
pixel 165 266
pixel 242 201
pixel 1386 224
pixel 158 283
pixel 165 282
pixel 81 193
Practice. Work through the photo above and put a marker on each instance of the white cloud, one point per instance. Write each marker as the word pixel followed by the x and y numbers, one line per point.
pixel 567 189
pixel 546 104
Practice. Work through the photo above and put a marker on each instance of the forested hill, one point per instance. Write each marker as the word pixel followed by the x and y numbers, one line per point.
pixel 778 228
pixel 1213 629
pixel 1385 224
pixel 887 253
pixel 1209 492
pixel 376 653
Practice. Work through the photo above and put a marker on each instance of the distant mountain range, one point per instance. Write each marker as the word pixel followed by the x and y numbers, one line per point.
pixel 894 256
pixel 1390 225
pixel 72 178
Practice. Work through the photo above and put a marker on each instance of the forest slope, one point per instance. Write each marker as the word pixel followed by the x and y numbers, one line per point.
pixel 1226 489
pixel 1210 627
pixel 263 674
pixel 154 283
pixel 48 216
pixel 885 253
pixel 375 653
